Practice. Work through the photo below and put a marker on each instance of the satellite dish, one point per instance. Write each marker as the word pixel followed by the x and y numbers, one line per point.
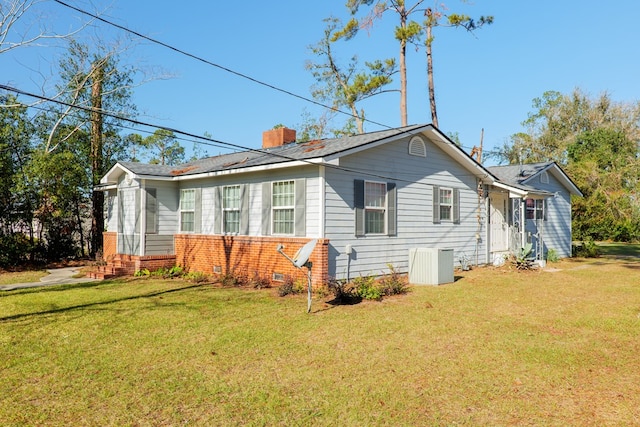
pixel 302 256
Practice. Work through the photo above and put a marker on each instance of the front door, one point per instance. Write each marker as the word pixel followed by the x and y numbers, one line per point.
pixel 498 226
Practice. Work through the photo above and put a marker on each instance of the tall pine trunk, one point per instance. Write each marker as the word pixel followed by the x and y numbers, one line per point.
pixel 432 91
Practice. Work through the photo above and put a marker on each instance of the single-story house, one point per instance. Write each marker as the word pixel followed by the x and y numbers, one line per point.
pixel 367 199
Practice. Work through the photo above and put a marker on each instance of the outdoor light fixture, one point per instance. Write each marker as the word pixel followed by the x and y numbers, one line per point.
pixel 301 259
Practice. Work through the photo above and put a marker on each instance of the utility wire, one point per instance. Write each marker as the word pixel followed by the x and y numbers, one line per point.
pixel 213 64
pixel 210 141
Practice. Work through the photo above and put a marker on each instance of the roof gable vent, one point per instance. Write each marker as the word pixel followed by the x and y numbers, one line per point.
pixel 417 147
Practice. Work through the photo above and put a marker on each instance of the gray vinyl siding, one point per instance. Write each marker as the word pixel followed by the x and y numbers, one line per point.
pixel 414 178
pixel 254 185
pixel 159 245
pixel 168 200
pixel 557 227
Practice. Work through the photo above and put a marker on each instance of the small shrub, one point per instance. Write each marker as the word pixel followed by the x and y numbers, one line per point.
pixel 393 283
pixel 288 287
pixel 521 260
pixel 175 271
pixel 552 255
pixel 300 286
pixel 196 277
pixel 260 281
pixel 340 289
pixel 142 273
pixel 587 249
pixel 367 288
pixel 160 272
pixel 231 279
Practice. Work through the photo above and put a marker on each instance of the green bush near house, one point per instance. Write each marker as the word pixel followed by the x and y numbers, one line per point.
pixel 552 255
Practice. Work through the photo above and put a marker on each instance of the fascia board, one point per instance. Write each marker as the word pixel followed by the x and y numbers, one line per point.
pixel 559 174
pixel 261 168
pixel 373 144
pixel 462 157
pixel 114 173
pixel 513 191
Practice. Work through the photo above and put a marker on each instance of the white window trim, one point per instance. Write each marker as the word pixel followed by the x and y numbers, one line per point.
pixel 226 209
pixel 183 210
pixel 278 208
pixel 385 209
pixel 535 209
pixel 450 204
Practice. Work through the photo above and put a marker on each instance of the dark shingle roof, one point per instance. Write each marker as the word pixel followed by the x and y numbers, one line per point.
pixel 284 153
pixel 517 174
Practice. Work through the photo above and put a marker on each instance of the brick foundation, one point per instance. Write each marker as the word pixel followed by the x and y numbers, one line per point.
pixel 250 255
pixel 109 245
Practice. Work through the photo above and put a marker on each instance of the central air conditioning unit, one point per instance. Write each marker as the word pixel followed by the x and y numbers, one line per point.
pixel 430 266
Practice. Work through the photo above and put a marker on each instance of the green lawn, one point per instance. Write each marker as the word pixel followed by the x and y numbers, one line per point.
pixel 9 278
pixel 619 249
pixel 496 347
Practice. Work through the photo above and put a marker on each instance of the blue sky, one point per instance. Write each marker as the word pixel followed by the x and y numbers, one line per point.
pixel 483 81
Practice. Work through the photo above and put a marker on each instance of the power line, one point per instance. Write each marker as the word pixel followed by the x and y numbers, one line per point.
pixel 213 64
pixel 226 69
pixel 210 141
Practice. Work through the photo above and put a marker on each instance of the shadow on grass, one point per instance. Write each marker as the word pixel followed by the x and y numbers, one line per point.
pixel 95 304
pixel 54 288
pixel 345 300
pixel 625 250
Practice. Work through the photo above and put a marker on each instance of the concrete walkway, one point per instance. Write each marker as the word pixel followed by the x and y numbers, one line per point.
pixel 56 276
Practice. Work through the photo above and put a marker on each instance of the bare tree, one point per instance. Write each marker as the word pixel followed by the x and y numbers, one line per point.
pixel 33 29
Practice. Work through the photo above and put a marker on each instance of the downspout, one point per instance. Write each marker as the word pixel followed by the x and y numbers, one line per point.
pixel 322 196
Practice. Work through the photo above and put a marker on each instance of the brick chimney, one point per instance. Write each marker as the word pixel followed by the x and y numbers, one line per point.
pixel 278 137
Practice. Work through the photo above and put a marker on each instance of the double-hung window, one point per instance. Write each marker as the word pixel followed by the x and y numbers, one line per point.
pixel 283 207
pixel 231 209
pixel 446 204
pixel 375 207
pixel 187 210
pixel 535 208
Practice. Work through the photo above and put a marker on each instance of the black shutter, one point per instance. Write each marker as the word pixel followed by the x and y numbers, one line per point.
pixel 391 209
pixel 151 211
pixel 358 204
pixel 436 204
pixel 266 208
pixel 455 214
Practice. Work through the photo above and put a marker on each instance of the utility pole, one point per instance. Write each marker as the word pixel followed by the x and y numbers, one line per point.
pixel 97 215
pixel 477 151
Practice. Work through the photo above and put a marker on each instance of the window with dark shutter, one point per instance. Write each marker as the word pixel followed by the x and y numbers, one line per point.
pixel 446 205
pixel 151 211
pixel 375 208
